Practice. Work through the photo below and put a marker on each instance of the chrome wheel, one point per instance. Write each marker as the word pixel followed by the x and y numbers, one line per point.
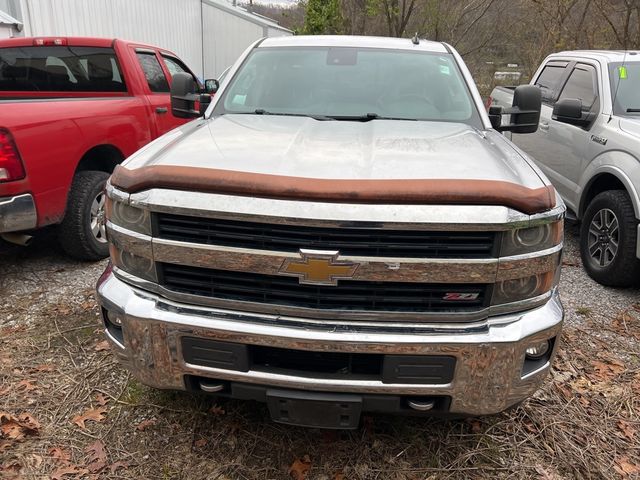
pixel 604 237
pixel 97 218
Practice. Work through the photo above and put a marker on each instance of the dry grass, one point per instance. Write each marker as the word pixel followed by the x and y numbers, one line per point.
pixel 582 424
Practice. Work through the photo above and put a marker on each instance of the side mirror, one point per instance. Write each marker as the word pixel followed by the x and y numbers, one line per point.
pixel 525 111
pixel 211 86
pixel 184 97
pixel 569 110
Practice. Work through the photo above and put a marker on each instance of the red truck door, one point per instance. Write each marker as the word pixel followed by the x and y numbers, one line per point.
pixel 157 90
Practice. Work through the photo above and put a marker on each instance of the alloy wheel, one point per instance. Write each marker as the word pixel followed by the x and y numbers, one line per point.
pixel 604 237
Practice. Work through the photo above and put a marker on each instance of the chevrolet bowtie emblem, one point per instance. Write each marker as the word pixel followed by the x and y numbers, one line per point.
pixel 318 267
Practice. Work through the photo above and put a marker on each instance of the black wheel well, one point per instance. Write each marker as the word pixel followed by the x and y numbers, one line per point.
pixel 103 158
pixel 601 183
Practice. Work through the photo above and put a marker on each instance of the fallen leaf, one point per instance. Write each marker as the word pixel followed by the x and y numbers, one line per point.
pixel 4 445
pixel 102 346
pixel 60 454
pixel 26 385
pixel 11 469
pixel 626 468
pixel 42 368
pixel 627 429
pixel 114 467
pixel 476 425
pixel 216 410
pixel 338 476
pixel 95 414
pixel 68 470
pixel 88 305
pixel 607 370
pixel 143 425
pixel 101 400
pixel 300 468
pixel 16 428
pixel 97 456
pixel 200 443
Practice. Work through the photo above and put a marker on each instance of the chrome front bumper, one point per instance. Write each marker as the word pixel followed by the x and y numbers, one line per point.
pixel 17 213
pixel 489 355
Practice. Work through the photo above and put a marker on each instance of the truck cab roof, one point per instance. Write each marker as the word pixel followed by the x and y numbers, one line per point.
pixel 69 41
pixel 355 41
pixel 608 56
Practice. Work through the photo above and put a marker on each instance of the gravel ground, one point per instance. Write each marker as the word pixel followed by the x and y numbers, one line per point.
pixel 68 410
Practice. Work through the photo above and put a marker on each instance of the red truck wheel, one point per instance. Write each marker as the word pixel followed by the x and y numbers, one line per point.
pixel 81 233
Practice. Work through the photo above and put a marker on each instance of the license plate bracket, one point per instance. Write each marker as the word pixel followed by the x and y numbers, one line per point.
pixel 317 410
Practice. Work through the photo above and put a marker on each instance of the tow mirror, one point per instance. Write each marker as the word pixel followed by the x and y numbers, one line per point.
pixel 211 86
pixel 569 110
pixel 186 102
pixel 525 111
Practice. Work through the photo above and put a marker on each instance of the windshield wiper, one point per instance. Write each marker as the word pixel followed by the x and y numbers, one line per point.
pixel 366 118
pixel 262 111
pixel 633 110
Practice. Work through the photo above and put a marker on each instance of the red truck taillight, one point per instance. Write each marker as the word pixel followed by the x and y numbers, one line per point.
pixel 11 167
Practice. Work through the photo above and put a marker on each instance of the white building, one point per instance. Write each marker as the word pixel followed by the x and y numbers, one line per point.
pixel 9 26
pixel 208 35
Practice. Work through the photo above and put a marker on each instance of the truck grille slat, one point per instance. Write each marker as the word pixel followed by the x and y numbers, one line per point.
pixel 349 241
pixel 347 295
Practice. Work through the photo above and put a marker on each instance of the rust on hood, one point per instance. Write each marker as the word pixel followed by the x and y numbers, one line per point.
pixel 371 191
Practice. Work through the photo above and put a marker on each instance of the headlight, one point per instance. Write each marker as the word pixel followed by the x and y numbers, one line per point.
pixel 126 216
pixel 533 239
pixel 136 265
pixel 517 289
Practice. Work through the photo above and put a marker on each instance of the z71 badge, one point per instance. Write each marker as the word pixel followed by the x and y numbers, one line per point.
pixel 460 296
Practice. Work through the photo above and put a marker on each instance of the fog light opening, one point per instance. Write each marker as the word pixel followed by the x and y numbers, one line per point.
pixel 538 350
pixel 113 325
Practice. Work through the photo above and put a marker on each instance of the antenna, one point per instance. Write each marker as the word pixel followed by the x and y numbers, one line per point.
pixel 615 95
pixel 415 40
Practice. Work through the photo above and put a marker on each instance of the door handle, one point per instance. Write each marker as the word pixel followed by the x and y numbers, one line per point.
pixel 162 109
pixel 544 126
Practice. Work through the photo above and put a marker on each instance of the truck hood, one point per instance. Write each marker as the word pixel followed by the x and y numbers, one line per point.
pixel 630 126
pixel 304 147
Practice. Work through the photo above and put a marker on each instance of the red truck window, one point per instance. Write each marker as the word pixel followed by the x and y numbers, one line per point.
pixel 60 69
pixel 174 65
pixel 153 72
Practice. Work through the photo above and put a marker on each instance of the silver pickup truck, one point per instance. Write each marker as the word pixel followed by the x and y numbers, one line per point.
pixel 341 230
pixel 588 145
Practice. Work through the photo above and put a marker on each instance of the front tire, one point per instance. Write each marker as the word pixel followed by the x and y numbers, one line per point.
pixel 608 240
pixel 81 234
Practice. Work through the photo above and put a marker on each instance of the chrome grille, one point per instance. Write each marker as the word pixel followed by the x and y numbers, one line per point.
pixel 351 295
pixel 369 241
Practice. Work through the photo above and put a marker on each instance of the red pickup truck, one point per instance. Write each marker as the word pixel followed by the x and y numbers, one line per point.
pixel 71 109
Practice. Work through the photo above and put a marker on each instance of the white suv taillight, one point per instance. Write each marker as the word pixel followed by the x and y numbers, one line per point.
pixel 11 167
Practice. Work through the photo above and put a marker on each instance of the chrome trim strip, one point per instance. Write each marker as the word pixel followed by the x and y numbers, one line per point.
pixel 416 270
pixel 402 217
pixel 391 269
pixel 130 241
pixel 18 213
pixel 338 318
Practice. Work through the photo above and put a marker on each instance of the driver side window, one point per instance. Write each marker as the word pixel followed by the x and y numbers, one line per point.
pixel 582 85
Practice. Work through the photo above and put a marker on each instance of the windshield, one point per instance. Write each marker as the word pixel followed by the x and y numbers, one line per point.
pixel 625 86
pixel 350 84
